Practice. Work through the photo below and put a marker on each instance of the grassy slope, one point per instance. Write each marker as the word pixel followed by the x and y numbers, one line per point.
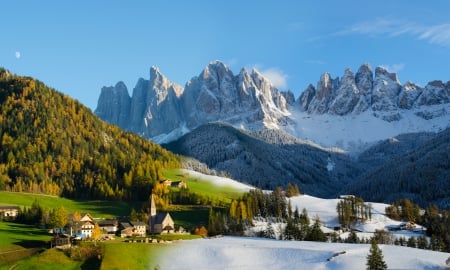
pixel 204 187
pixel 18 241
pixel 117 255
pixel 48 260
pixel 104 209
pixel 132 255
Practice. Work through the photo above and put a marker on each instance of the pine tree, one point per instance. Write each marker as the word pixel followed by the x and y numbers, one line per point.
pixel 269 232
pixel 316 234
pixel 375 260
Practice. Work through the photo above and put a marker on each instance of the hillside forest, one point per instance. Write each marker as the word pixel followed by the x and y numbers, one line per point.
pixel 52 144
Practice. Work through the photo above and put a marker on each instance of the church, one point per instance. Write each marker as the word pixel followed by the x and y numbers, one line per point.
pixel 159 223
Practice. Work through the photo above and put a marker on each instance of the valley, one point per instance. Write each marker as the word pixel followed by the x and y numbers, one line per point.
pixel 112 175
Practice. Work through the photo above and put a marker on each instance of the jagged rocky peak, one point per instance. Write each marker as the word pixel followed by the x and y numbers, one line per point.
pixel 325 93
pixel 385 91
pixel 114 104
pixel 364 79
pixel 306 97
pixel 289 97
pixel 408 95
pixel 347 95
pixel 270 93
pixel 218 95
pixel 383 73
pixel 435 92
pixel 348 79
pixel 217 75
pixel 162 87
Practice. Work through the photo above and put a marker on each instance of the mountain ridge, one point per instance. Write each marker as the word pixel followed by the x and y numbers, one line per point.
pixel 165 111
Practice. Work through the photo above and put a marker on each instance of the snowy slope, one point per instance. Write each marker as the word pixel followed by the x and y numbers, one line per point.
pixel 259 253
pixel 325 209
pixel 254 253
pixel 355 132
pixel 219 181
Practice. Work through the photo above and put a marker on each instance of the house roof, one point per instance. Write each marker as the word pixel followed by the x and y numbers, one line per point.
pixel 108 222
pixel 9 207
pixel 160 217
pixel 138 223
pixel 125 225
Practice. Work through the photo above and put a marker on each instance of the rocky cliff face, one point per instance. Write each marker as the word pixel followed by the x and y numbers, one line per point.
pixel 364 91
pixel 162 110
pixel 114 104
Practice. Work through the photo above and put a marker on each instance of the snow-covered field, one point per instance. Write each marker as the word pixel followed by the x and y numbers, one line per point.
pixel 255 253
pixel 259 253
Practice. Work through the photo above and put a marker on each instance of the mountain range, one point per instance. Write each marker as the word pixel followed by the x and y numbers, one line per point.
pixel 337 137
pixel 350 112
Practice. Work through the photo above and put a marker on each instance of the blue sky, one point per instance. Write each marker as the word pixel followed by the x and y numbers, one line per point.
pixel 79 46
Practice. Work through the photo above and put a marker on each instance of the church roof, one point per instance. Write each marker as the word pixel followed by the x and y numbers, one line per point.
pixel 160 217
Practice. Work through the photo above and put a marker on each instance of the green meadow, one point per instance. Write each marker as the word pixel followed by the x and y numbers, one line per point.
pixel 100 209
pixel 19 241
pixel 26 247
pixel 132 255
pixel 204 187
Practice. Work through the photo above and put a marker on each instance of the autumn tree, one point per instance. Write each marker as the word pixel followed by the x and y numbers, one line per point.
pixel 96 232
pixel 59 217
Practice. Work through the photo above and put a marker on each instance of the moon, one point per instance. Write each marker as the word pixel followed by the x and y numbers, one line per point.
pixel 18 55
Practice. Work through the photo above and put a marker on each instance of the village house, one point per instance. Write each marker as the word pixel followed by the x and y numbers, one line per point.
pixel 179 184
pixel 110 226
pixel 140 228
pixel 61 241
pixel 83 227
pixel 9 211
pixel 159 223
pixel 174 184
pixel 132 228
pixel 125 229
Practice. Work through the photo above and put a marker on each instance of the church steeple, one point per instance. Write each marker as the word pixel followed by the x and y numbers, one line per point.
pixel 152 207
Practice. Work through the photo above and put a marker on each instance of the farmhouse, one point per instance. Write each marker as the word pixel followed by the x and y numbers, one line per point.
pixel 132 228
pixel 159 222
pixel 179 184
pixel 9 211
pixel 110 226
pixel 175 184
pixel 82 227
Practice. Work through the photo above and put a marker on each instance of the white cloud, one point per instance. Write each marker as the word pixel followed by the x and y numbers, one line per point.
pixel 394 67
pixel 434 34
pixel 276 76
pixel 17 54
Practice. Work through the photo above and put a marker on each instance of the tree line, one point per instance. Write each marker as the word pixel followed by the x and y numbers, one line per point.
pixel 435 220
pixel 352 209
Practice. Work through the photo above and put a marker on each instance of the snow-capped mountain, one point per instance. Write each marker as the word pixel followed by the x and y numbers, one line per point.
pixel 364 91
pixel 350 112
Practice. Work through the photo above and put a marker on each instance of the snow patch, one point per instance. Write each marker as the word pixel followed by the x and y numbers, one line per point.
pixel 219 181
pixel 254 253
